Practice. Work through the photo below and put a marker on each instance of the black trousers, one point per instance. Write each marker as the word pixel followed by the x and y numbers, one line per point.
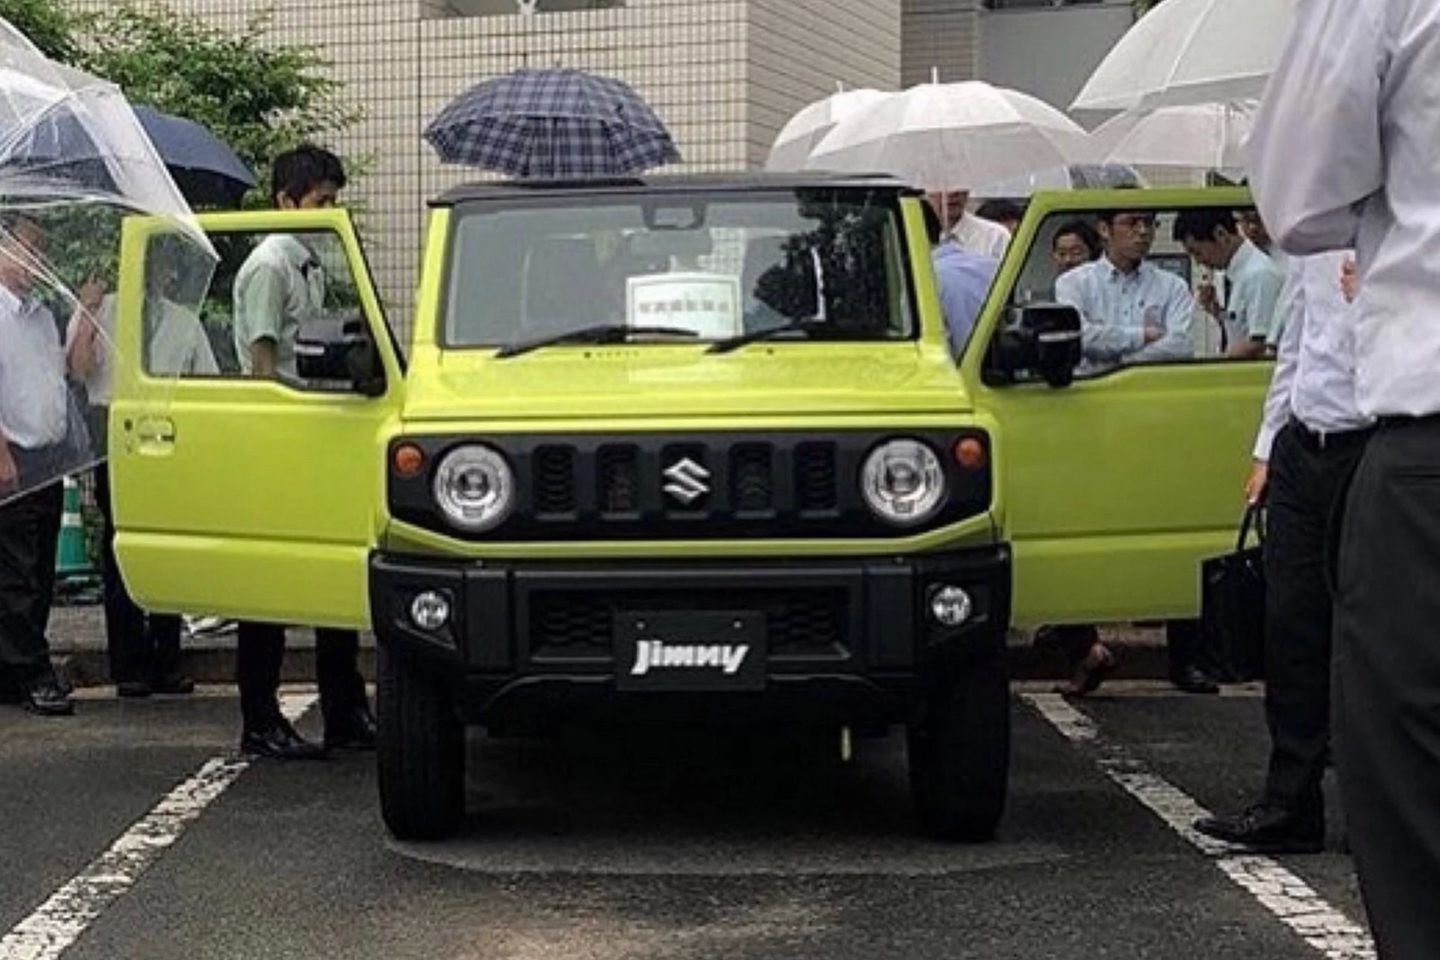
pixel 259 654
pixel 1307 481
pixel 140 646
pixel 1387 684
pixel 29 535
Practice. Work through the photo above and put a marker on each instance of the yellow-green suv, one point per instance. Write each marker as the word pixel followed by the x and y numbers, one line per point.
pixel 679 444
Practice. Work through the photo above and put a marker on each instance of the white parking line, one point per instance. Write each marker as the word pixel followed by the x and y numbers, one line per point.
pixel 1275 887
pixel 58 922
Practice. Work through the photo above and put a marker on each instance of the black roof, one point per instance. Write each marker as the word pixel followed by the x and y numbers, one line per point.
pixel 743 182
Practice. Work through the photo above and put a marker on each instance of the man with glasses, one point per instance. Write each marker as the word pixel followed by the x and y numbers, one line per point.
pixel 1133 312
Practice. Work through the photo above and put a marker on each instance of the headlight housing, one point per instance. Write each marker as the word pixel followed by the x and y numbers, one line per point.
pixel 474 488
pixel 903 482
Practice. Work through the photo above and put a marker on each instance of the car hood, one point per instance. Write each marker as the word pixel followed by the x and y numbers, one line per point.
pixel 650 381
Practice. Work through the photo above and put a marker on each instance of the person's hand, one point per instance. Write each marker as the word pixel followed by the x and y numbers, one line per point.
pixel 1350 280
pixel 90 294
pixel 1256 482
pixel 1153 332
pixel 9 472
pixel 1208 299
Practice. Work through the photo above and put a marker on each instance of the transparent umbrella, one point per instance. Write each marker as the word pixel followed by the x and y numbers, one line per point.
pixel 74 162
pixel 1190 52
pixel 1207 136
pixel 952 137
pixel 799 137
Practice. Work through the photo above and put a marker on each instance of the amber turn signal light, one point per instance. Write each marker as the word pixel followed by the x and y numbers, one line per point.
pixel 970 453
pixel 408 460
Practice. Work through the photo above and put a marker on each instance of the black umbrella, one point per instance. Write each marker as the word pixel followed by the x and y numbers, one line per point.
pixel 207 171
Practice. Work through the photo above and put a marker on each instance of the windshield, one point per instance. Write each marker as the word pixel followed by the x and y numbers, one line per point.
pixel 721 265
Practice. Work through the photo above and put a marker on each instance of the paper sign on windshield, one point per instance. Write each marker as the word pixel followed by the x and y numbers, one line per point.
pixel 708 303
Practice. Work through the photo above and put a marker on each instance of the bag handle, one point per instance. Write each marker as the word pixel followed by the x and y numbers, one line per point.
pixel 1253 520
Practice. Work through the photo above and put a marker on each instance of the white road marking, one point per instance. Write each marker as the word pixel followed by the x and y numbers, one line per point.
pixel 1294 902
pixel 58 922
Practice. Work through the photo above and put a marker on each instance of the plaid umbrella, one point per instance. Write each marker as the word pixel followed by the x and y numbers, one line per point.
pixel 552 124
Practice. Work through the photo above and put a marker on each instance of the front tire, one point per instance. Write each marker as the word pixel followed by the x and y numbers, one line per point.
pixel 959 754
pixel 421 751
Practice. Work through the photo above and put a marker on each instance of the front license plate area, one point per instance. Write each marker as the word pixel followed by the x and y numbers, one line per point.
pixel 690 651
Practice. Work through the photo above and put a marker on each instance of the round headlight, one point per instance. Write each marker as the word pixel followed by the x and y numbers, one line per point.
pixel 903 482
pixel 475 488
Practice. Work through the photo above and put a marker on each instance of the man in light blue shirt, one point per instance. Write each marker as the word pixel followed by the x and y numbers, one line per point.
pixel 1213 238
pixel 1133 312
pixel 963 281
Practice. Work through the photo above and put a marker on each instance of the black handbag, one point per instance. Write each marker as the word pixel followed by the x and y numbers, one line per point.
pixel 1232 606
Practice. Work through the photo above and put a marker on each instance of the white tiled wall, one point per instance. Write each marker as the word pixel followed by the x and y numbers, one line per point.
pixel 724 75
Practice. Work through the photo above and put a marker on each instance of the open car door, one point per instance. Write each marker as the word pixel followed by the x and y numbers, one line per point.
pixel 240 494
pixel 1115 486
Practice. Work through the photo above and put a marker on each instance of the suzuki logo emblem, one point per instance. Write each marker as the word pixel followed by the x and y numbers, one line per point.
pixel 687 481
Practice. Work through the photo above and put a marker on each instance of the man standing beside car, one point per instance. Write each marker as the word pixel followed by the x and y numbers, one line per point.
pixel 1214 239
pixel 1311 439
pixel 281 285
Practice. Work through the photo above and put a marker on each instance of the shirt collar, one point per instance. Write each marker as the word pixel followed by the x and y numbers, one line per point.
pixel 1113 272
pixel 10 301
pixel 1243 258
pixel 295 251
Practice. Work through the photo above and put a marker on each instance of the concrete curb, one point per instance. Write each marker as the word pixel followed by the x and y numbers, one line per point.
pixel 78 647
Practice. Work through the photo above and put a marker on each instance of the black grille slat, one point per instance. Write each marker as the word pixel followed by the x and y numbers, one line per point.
pixel 816 483
pixel 752 478
pixel 555 480
pixel 797 622
pixel 618 479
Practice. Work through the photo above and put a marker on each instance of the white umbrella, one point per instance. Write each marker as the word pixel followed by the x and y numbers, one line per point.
pixel 1188 52
pixel 808 127
pixel 952 136
pixel 1207 136
pixel 1076 176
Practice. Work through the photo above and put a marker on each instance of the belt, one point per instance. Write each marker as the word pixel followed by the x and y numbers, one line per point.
pixel 1321 440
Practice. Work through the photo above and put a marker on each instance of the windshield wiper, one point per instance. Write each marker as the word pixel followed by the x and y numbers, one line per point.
pixel 607 333
pixel 809 326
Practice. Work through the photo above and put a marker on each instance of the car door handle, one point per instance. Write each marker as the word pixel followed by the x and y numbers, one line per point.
pixel 155 435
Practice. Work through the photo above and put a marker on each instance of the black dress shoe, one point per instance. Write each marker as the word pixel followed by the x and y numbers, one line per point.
pixel 46 697
pixel 172 684
pixel 132 689
pixel 1267 828
pixel 1191 679
pixel 354 728
pixel 280 742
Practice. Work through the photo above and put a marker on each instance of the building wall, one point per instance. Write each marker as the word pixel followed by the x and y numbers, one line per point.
pixel 939 37
pixel 798 51
pixel 1069 41
pixel 724 75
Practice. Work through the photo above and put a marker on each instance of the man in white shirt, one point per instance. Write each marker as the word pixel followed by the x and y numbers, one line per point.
pixel 1132 311
pixel 962 227
pixel 280 286
pixel 1213 238
pixel 1343 154
pixel 34 428
pixel 143 648
pixel 1312 436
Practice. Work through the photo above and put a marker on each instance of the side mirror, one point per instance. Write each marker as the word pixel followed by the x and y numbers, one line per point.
pixel 339 349
pixel 1045 340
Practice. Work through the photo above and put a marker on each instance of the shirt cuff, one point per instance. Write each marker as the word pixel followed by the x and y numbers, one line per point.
pixel 1265 443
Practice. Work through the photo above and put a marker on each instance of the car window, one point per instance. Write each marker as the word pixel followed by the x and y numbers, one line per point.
pixel 717 265
pixel 1157 286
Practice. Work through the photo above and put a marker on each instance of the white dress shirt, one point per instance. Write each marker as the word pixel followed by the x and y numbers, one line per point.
pixel 1115 307
pixel 978 235
pixel 1314 380
pixel 1255 285
pixel 33 397
pixel 178 347
pixel 279 286
pixel 1343 154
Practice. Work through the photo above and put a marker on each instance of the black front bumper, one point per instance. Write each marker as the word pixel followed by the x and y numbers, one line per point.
pixel 855 634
